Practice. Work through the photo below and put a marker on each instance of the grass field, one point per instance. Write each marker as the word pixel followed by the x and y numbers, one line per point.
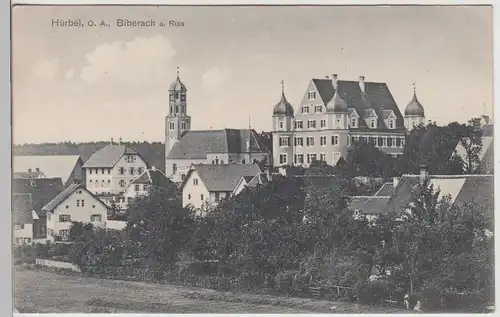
pixel 42 292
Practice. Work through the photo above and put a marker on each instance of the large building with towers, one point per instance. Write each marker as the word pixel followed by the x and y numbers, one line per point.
pixel 335 114
pixel 184 147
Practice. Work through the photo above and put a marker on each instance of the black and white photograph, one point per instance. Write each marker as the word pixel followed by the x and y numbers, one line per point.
pixel 252 159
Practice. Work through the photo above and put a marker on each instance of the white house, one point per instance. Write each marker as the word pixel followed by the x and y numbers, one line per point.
pixel 75 203
pixel 110 170
pixel 23 216
pixel 141 185
pixel 207 184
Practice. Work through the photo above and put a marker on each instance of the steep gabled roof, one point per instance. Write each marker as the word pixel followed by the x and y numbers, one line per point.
pixel 52 166
pixel 108 156
pixel 197 144
pixel 462 188
pixel 42 190
pixel 377 96
pixel 369 205
pixel 22 209
pixel 50 206
pixel 222 177
pixel 153 177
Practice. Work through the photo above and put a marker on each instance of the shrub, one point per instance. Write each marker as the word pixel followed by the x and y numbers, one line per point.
pixel 284 281
pixel 377 291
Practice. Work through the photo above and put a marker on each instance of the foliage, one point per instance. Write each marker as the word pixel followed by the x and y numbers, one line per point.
pixel 364 159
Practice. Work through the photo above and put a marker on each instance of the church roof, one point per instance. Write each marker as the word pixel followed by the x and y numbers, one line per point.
pixel 108 156
pixel 197 144
pixel 377 97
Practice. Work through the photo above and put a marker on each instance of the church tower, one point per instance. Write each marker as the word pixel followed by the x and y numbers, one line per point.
pixel 177 121
pixel 414 112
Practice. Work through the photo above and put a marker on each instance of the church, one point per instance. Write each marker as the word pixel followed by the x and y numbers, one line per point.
pixel 335 114
pixel 184 147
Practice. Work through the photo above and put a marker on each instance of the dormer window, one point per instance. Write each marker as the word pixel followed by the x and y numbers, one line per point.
pixel 305 109
pixel 354 123
pixel 373 123
pixel 392 124
pixel 311 95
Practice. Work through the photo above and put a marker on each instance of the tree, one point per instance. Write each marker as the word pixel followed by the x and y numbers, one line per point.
pixel 470 140
pixel 364 159
pixel 162 227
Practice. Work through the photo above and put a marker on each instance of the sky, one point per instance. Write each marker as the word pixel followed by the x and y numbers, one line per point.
pixel 93 83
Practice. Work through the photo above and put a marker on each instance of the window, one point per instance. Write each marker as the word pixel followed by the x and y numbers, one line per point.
pixel 145 187
pixel 102 170
pixel 97 171
pixel 281 124
pixel 284 141
pixel 91 183
pixel 121 170
pixel 109 182
pixel 171 125
pixel 174 168
pixel 380 142
pixel 318 109
pixel 64 232
pixel 109 171
pixel 391 124
pixel 354 123
pixel 19 227
pixel 131 171
pixel 373 123
pixel 311 157
pixel 299 125
pixel 402 142
pixel 78 203
pixel 217 196
pixel 311 124
pixel 64 218
pixel 83 203
pixel 311 95
pixel 310 141
pixel 282 158
pixel 201 196
pixel 394 142
pixel 136 187
pixel 95 218
pixel 323 123
pixel 322 157
pixel 139 170
pixel 299 158
pixel 90 171
pixel 305 109
pixel 171 99
pixel 335 140
pixel 299 141
pixel 389 142
pixel 322 140
pixel 398 142
pixel 195 181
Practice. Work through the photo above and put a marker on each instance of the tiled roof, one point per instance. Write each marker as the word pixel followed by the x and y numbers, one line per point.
pixel 461 188
pixel 386 190
pixel 223 177
pixel 50 206
pixel 369 205
pixel 197 144
pixel 51 166
pixel 109 155
pixel 22 209
pixel 377 96
pixel 152 177
pixel 42 190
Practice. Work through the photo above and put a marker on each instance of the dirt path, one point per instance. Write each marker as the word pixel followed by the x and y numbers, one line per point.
pixel 42 292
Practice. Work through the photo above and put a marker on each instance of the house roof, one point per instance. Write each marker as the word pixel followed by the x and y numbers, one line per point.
pixel 52 166
pixel 22 209
pixel 29 175
pixel 108 156
pixel 462 188
pixel 377 96
pixel 369 205
pixel 42 190
pixel 386 190
pixel 51 205
pixel 197 144
pixel 152 176
pixel 223 177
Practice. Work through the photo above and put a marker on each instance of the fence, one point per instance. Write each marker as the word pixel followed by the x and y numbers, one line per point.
pixel 58 264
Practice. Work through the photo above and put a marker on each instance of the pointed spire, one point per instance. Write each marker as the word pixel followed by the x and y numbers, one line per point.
pixel 249 123
pixel 177 71
pixel 414 90
pixel 282 87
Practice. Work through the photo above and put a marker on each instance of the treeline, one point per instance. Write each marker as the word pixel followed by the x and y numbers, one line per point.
pixel 153 153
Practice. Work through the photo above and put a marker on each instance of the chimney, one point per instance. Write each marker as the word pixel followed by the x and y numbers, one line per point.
pixel 395 182
pixel 111 142
pixel 153 168
pixel 120 141
pixel 362 83
pixel 424 173
pixel 334 80
pixel 326 77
